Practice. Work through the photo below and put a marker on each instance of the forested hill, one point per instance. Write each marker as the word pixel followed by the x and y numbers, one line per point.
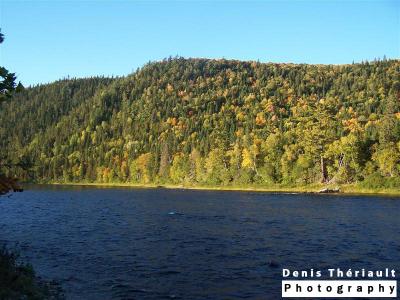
pixel 212 122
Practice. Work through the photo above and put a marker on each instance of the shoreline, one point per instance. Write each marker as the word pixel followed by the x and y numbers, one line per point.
pixel 349 189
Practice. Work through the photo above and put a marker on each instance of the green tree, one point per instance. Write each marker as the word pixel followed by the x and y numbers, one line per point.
pixel 388 160
pixel 7 80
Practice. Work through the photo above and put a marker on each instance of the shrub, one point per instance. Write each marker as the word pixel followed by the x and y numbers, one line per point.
pixel 376 180
pixel 18 280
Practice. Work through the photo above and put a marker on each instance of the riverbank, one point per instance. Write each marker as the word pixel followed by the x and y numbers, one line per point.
pixel 19 281
pixel 306 189
pixel 8 184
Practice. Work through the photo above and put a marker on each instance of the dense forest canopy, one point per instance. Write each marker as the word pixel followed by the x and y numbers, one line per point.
pixel 212 122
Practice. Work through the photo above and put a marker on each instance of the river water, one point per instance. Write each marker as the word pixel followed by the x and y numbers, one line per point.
pixel 118 243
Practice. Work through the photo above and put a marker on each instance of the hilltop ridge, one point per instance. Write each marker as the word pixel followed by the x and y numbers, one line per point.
pixel 212 122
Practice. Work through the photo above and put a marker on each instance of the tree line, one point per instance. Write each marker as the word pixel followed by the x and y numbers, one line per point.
pixel 212 122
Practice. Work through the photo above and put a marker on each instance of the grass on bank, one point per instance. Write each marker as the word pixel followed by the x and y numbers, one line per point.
pixel 19 281
pixel 355 188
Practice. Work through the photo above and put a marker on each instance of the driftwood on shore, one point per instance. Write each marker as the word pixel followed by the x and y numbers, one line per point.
pixel 8 184
pixel 328 190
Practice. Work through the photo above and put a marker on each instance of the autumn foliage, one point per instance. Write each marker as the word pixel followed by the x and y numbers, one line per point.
pixel 219 122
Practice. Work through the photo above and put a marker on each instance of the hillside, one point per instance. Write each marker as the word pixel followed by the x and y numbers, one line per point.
pixel 212 122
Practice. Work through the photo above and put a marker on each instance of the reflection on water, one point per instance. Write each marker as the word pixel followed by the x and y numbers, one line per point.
pixel 180 244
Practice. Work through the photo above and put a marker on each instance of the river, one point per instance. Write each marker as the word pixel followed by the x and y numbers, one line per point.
pixel 120 243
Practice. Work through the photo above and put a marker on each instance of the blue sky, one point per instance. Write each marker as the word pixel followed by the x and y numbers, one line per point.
pixel 46 41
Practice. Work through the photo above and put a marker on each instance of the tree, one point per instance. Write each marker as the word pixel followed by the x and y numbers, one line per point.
pixel 7 87
pixel 143 163
pixel 315 130
pixel 7 80
pixel 235 161
pixel 179 171
pixel 346 156
pixel 273 152
pixel 388 160
pixel 164 161
pixel 216 122
pixel 196 171
pixel 215 166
